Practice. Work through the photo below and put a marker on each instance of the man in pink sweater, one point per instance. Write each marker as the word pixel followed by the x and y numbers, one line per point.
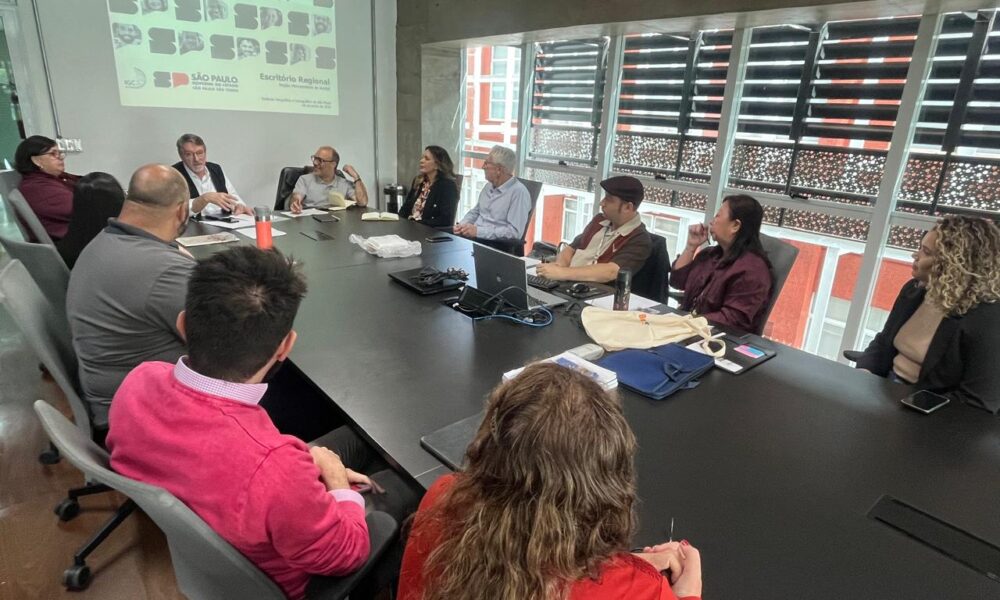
pixel 195 428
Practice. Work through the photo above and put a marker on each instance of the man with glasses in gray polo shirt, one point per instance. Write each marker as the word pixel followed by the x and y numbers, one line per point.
pixel 312 190
pixel 128 286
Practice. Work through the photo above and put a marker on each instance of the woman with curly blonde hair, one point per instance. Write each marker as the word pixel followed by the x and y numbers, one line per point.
pixel 544 508
pixel 945 325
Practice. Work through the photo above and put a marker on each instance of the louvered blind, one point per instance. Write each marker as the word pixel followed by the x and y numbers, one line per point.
pixel 567 97
pixel 859 78
pixel 654 70
pixel 709 83
pixel 776 58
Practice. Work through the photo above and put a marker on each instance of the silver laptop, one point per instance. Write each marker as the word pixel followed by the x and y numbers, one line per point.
pixel 500 273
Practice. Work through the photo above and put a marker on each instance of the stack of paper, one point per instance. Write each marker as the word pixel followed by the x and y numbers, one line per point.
pixel 607 379
pixel 635 302
pixel 308 212
pixel 252 233
pixel 204 240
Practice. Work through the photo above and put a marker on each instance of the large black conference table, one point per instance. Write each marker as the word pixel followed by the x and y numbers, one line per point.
pixel 770 473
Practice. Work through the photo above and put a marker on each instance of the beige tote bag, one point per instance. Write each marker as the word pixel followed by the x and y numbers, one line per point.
pixel 620 329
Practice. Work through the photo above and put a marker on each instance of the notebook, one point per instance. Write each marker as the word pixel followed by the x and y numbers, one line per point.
pixel 379 216
pixel 338 201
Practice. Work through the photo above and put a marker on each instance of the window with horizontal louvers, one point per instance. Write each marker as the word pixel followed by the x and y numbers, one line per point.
pixel 669 107
pixel 954 160
pixel 771 102
pixel 566 101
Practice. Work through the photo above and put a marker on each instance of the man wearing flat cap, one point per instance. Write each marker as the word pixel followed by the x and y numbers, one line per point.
pixel 615 239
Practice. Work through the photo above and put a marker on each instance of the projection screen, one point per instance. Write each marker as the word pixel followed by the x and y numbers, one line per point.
pixel 260 55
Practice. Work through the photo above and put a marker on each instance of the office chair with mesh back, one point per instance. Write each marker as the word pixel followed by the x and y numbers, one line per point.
pixel 516 246
pixel 205 565
pixel 47 334
pixel 650 281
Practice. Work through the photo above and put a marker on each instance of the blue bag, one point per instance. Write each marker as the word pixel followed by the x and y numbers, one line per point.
pixel 658 372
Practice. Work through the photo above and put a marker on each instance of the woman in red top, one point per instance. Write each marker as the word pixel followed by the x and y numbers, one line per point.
pixel 544 509
pixel 45 184
pixel 730 283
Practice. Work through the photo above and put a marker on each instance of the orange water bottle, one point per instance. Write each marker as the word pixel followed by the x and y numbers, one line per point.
pixel 262 222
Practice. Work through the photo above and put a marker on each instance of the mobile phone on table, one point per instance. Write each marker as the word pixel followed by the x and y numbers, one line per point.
pixel 925 401
pixel 319 236
pixel 434 239
pixel 326 218
pixel 223 218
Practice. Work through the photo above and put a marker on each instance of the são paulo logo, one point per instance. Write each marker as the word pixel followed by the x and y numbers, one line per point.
pixel 137 81
pixel 166 79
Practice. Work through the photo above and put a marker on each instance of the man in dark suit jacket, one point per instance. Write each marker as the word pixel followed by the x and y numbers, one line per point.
pixel 212 194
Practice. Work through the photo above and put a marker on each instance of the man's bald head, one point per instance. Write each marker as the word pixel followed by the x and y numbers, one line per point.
pixel 157 186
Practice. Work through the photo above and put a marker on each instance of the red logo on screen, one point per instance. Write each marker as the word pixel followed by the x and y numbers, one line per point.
pixel 179 79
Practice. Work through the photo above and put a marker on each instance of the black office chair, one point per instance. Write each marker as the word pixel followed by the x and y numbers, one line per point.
pixel 782 256
pixel 853 355
pixel 512 246
pixel 651 279
pixel 286 184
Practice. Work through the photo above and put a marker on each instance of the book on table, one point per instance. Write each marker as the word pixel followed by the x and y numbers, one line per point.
pixel 606 378
pixel 379 216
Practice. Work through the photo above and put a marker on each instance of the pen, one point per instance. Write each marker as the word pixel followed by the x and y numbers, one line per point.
pixel 670 537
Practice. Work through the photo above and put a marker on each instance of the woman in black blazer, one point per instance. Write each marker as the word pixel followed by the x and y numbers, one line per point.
pixel 433 196
pixel 943 332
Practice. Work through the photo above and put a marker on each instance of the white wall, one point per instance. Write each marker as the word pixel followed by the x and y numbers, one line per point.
pixel 251 146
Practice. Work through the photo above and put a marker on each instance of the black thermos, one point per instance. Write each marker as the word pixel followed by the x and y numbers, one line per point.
pixel 393 192
pixel 623 289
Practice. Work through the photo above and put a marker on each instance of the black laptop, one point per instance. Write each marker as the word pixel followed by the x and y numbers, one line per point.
pixel 411 279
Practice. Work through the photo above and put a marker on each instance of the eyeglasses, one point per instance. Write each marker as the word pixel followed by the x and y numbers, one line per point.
pixel 54 153
pixel 320 159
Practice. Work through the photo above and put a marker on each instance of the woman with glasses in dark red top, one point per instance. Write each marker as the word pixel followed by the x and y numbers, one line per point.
pixel 45 184
pixel 729 283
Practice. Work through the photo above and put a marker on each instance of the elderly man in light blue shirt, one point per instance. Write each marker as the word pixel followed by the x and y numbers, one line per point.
pixel 504 203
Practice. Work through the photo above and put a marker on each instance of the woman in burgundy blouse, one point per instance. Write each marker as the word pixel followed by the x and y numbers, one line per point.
pixel 433 195
pixel 729 283
pixel 45 184
pixel 545 507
